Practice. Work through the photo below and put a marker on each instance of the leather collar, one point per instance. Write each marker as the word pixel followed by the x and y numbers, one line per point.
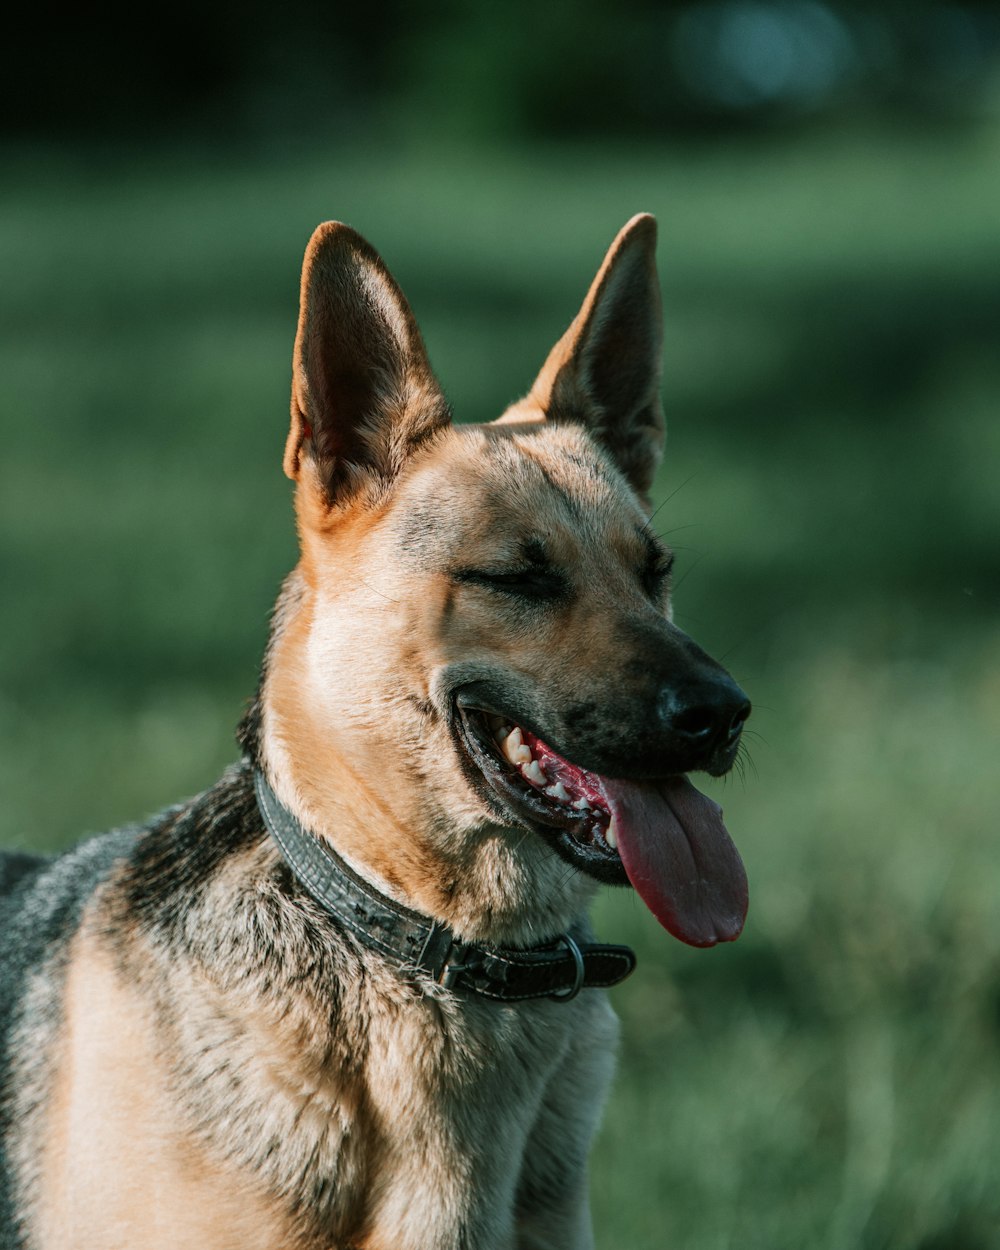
pixel 416 944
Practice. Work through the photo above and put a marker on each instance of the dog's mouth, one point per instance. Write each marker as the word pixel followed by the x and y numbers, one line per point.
pixel 545 791
pixel 663 836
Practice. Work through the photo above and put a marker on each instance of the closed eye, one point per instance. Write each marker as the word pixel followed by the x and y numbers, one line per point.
pixel 657 572
pixel 524 583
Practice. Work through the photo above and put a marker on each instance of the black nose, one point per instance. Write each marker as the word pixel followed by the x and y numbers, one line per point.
pixel 705 715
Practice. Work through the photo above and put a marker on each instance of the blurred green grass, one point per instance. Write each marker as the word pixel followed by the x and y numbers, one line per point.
pixel 831 384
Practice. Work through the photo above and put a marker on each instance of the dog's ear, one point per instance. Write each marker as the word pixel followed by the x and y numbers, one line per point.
pixel 605 370
pixel 363 393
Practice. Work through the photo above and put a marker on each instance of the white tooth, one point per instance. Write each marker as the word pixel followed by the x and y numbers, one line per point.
pixel 581 805
pixel 533 772
pixel 610 835
pixel 558 791
pixel 514 748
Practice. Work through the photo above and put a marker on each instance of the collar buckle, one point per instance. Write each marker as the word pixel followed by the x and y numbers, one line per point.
pixel 460 952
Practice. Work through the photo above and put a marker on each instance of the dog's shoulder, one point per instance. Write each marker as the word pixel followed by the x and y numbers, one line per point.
pixel 182 850
pixel 147 867
pixel 41 901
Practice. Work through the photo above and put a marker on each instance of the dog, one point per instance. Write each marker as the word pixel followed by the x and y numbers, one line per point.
pixel 349 997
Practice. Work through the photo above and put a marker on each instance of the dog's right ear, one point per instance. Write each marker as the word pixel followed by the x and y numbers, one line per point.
pixel 363 393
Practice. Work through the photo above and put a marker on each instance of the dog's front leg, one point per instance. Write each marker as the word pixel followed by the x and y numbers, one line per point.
pixel 448 1168
pixel 553 1205
pixel 565 1226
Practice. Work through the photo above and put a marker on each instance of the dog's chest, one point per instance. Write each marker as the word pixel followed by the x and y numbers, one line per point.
pixel 397 1119
pixel 473 1095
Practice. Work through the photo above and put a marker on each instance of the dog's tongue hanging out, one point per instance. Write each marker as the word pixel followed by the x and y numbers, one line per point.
pixel 671 840
pixel 680 858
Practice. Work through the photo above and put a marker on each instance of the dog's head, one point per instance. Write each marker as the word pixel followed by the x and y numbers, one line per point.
pixel 474 685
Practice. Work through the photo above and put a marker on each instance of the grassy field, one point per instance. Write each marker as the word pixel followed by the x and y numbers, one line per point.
pixel 832 314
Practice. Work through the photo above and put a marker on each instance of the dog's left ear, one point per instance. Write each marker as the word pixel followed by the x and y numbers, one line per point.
pixel 363 392
pixel 605 370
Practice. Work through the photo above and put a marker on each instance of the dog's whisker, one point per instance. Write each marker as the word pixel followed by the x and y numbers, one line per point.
pixel 688 571
pixel 376 591
pixel 677 529
pixel 675 491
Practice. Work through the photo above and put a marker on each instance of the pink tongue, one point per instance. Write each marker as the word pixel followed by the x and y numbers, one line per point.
pixel 680 858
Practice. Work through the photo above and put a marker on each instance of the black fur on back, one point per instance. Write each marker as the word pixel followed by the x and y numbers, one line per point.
pixel 184 847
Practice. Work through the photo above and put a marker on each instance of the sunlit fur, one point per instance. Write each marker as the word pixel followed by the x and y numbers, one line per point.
pixel 201 1057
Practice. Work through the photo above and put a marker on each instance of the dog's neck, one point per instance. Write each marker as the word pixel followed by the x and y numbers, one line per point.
pixel 419 946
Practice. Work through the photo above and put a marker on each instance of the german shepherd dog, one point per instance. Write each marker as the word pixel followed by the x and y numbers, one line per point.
pixel 348 997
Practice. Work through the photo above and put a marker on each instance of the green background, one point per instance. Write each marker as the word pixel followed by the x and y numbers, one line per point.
pixel 832 302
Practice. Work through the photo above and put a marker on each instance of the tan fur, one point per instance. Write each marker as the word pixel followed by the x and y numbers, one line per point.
pixel 174 1098
pixel 126 1159
pixel 120 1168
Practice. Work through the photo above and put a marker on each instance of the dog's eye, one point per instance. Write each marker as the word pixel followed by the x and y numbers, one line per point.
pixel 528 583
pixel 657 572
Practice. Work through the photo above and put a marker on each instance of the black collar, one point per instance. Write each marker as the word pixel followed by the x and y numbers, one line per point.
pixel 417 944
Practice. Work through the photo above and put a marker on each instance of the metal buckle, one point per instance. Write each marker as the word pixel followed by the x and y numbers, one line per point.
pixel 451 972
pixel 564 996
